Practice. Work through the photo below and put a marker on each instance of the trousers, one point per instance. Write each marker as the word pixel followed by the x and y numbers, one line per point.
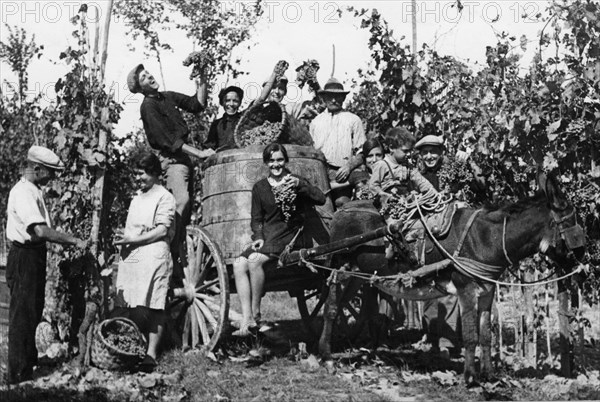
pixel 26 279
pixel 177 172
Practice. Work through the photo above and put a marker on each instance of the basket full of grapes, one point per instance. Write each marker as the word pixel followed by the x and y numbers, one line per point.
pixel 118 344
pixel 261 124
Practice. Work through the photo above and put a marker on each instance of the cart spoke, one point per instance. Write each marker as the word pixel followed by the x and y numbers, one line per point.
pixel 195 326
pixel 201 325
pixel 186 332
pixel 207 285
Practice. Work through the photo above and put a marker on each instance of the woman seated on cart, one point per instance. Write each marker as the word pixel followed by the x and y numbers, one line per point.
pixel 276 221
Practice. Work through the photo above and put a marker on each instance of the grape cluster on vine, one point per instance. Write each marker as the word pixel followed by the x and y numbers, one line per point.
pixel 264 134
pixel 200 60
pixel 285 198
pixel 456 176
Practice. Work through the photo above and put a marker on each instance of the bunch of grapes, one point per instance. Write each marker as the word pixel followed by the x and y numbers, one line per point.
pixel 280 68
pixel 124 339
pixel 126 344
pixel 200 60
pixel 285 198
pixel 364 193
pixel 307 72
pixel 395 208
pixel 576 126
pixel 456 175
pixel 264 134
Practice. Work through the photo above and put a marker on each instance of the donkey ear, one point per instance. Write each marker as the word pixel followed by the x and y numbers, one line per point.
pixel 554 194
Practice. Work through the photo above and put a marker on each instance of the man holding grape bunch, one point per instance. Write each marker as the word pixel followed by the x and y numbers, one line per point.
pixel 167 133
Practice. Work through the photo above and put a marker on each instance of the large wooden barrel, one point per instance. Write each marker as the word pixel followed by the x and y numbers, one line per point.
pixel 227 185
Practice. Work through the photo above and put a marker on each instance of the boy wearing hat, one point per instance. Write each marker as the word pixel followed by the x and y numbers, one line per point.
pixel 28 228
pixel 338 133
pixel 167 133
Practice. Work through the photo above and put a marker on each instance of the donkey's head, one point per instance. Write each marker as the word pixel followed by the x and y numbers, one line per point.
pixel 564 237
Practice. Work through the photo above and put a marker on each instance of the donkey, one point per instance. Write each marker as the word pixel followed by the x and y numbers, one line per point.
pixel 492 238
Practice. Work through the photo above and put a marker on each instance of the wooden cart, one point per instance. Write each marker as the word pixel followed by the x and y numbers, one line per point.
pixel 201 308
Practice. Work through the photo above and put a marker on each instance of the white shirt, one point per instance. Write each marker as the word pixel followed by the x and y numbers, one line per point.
pixel 339 136
pixel 25 207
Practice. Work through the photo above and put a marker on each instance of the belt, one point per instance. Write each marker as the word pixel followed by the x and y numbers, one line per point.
pixel 29 244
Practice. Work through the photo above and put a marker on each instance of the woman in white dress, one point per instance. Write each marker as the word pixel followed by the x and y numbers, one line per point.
pixel 145 263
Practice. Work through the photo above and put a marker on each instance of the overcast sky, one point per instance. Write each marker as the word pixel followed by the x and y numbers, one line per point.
pixel 290 30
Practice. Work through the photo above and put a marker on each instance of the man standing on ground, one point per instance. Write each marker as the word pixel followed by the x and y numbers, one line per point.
pixel 28 228
pixel 340 135
pixel 167 133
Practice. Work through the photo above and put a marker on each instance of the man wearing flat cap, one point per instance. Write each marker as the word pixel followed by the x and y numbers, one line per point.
pixel 441 317
pixel 28 229
pixel 167 133
pixel 339 134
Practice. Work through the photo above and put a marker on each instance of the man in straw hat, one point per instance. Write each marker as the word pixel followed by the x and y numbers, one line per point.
pixel 28 228
pixel 167 133
pixel 340 135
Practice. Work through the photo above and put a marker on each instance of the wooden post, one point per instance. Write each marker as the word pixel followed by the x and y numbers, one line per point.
pixel 528 321
pixel 500 323
pixel 548 329
pixel 566 365
pixel 91 308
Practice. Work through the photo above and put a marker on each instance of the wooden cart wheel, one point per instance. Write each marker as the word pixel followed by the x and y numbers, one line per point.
pixel 354 311
pixel 205 292
pixel 310 303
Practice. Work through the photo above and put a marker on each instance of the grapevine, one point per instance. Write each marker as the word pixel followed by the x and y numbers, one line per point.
pixel 200 60
pixel 455 177
pixel 264 134
pixel 285 198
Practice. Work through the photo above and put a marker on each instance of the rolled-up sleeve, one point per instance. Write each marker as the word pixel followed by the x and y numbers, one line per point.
pixel 28 210
pixel 358 137
pixel 165 211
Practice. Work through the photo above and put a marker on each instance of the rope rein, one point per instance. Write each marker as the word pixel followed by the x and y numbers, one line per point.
pixel 475 274
pixel 435 202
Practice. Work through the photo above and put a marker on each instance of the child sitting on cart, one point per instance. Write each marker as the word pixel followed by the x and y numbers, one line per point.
pixel 276 222
pixel 395 176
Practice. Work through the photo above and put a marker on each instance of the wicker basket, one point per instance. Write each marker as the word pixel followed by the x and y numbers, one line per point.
pixel 108 357
pixel 256 115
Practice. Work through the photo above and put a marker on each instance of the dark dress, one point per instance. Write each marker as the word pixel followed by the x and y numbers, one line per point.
pixel 220 135
pixel 267 219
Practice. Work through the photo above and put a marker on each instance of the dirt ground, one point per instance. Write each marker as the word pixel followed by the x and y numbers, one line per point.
pixel 273 366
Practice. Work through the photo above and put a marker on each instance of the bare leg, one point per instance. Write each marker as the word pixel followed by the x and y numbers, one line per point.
pixel 242 285
pixel 157 320
pixel 257 280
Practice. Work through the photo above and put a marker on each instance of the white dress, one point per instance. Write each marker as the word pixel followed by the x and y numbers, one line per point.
pixel 145 271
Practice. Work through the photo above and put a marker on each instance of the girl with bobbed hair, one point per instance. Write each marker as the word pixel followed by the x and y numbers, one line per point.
pixel 276 218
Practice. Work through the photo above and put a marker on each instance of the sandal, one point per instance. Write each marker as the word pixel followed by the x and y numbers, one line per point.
pixel 148 364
